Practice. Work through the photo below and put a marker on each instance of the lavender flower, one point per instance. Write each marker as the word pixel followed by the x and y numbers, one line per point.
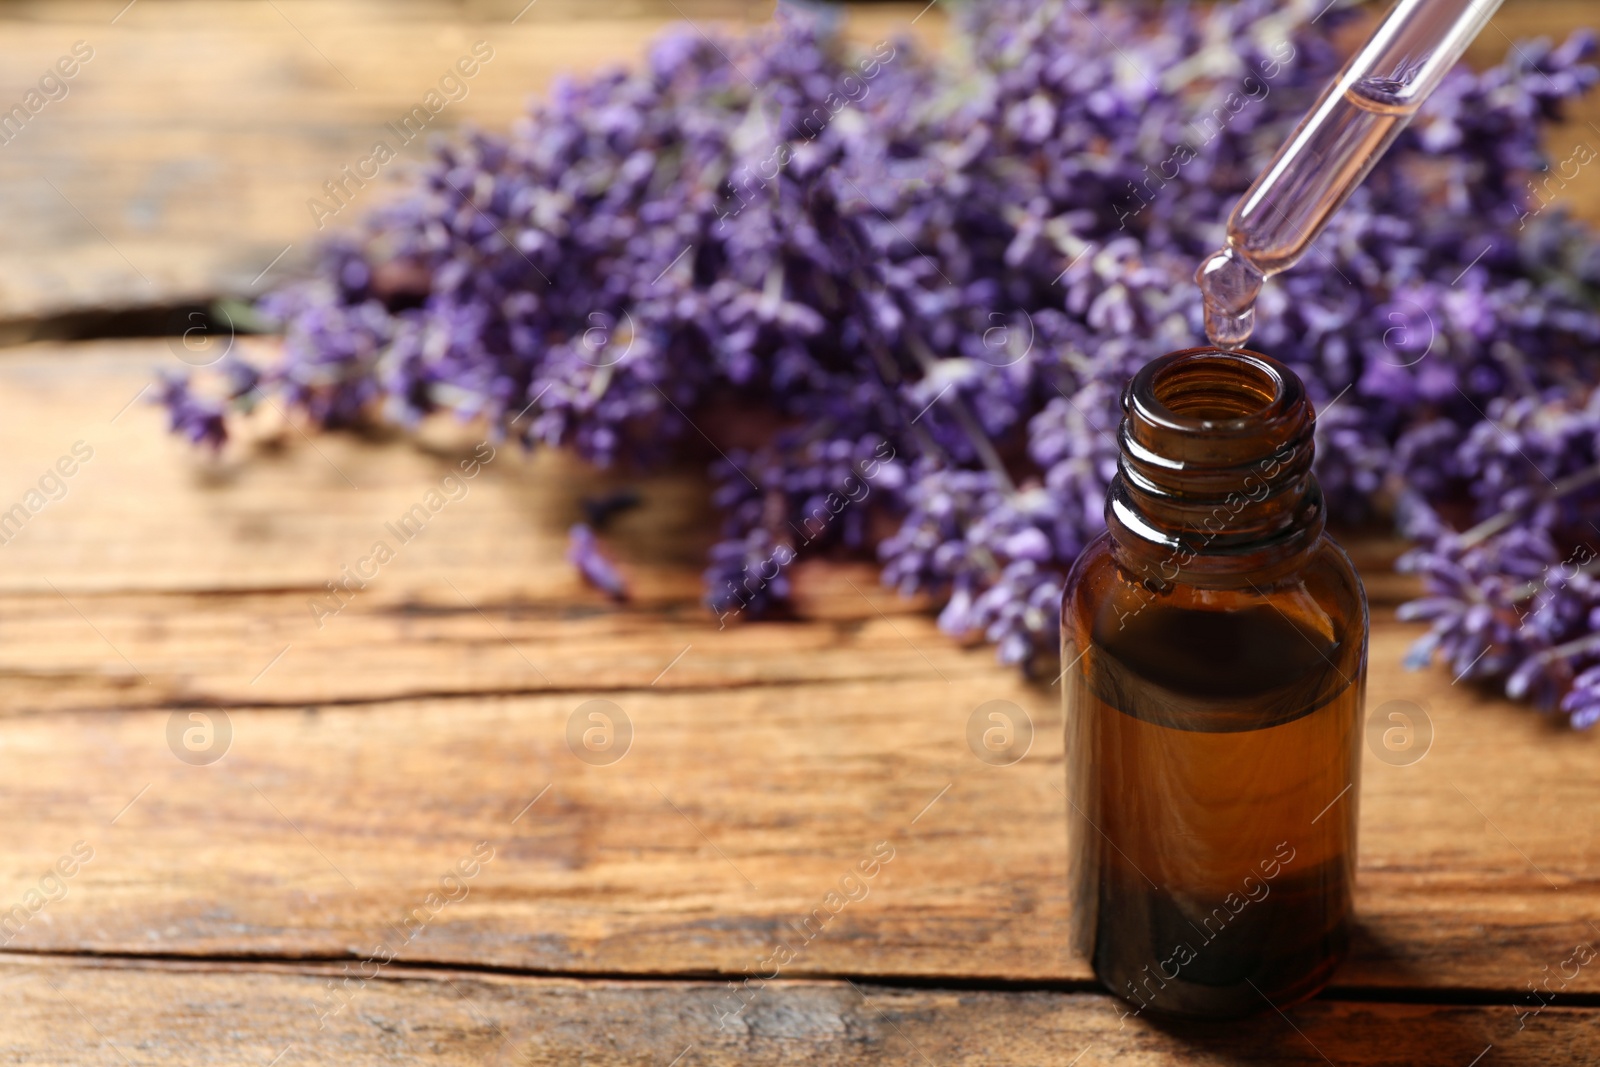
pixel 199 419
pixel 1515 598
pixel 942 271
pixel 583 551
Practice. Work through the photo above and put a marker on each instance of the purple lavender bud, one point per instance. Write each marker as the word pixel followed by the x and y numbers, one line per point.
pixel 583 551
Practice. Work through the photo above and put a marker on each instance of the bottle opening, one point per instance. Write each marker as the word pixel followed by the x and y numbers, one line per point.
pixel 1203 387
pixel 1214 467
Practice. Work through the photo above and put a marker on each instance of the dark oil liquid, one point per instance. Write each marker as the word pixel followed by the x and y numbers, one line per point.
pixel 1212 778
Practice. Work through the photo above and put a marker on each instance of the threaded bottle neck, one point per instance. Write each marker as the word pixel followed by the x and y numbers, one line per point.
pixel 1214 484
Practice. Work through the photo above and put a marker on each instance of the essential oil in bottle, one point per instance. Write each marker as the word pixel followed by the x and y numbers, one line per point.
pixel 1216 639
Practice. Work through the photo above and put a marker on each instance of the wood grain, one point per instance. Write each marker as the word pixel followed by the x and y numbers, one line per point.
pixel 375 758
pixel 766 759
pixel 183 158
pixel 724 827
pixel 246 1015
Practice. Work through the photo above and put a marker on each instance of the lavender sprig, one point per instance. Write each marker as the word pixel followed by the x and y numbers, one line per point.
pixel 1515 597
pixel 946 269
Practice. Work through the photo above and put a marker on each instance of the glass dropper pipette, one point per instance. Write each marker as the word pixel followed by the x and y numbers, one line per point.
pixel 1351 125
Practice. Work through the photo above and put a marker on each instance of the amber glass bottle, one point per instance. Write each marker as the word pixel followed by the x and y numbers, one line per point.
pixel 1215 640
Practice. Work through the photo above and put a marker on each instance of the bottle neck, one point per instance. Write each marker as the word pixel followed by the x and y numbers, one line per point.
pixel 1214 485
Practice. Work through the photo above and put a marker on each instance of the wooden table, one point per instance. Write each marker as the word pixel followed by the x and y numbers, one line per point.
pixel 400 858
